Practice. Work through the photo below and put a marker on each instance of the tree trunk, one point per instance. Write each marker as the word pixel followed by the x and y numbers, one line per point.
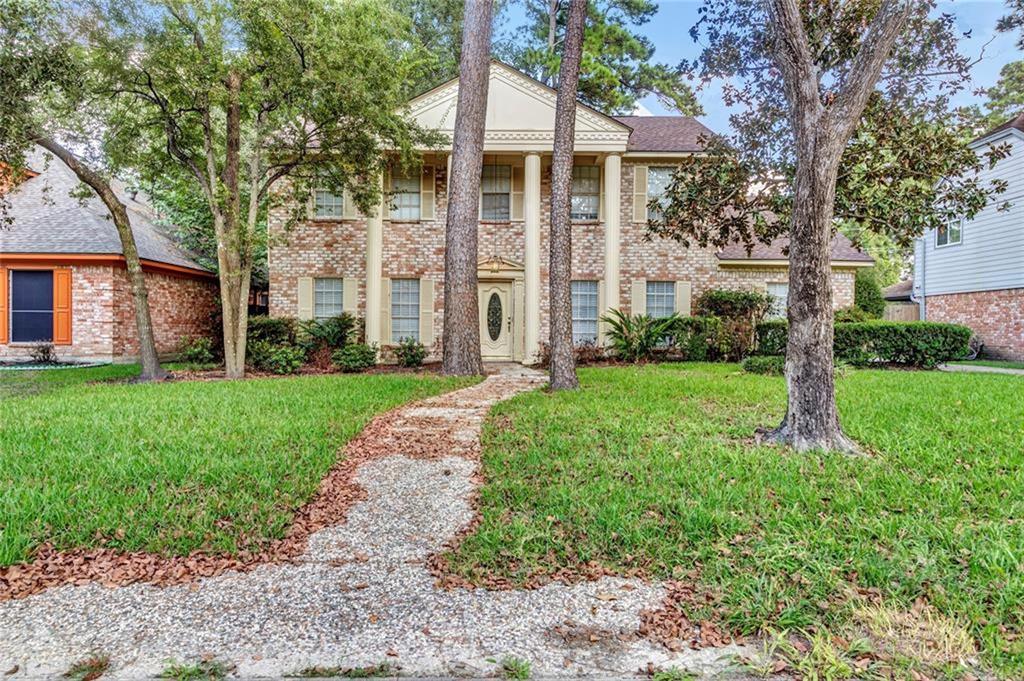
pixel 461 336
pixel 563 359
pixel 151 369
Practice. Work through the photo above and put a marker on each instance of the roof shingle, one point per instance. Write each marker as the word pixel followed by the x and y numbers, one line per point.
pixel 666 133
pixel 842 250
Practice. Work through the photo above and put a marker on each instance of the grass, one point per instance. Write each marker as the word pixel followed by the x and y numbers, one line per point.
pixel 88 669
pixel 375 671
pixel 170 468
pixel 512 667
pixel 999 363
pixel 654 468
pixel 204 670
pixel 23 383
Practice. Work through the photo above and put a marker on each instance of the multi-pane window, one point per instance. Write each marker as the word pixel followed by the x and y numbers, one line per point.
pixel 496 192
pixel 661 298
pixel 658 179
pixel 31 306
pixel 586 192
pixel 405 199
pixel 948 234
pixel 328 204
pixel 327 298
pixel 405 309
pixel 584 312
pixel 779 292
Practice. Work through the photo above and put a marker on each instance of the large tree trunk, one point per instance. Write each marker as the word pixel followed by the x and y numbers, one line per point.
pixel 151 369
pixel 563 359
pixel 461 336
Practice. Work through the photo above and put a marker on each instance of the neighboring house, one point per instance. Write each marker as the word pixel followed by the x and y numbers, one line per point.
pixel 972 271
pixel 899 303
pixel 389 267
pixel 63 278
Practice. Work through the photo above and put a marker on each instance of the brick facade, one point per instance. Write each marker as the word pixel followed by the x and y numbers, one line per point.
pixel 103 313
pixel 997 317
pixel 416 250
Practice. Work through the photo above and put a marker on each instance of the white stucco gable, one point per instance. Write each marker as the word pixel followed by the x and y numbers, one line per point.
pixel 520 115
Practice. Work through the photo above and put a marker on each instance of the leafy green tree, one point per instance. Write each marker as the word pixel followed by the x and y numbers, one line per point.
pixel 617 66
pixel 844 118
pixel 1003 101
pixel 249 98
pixel 867 294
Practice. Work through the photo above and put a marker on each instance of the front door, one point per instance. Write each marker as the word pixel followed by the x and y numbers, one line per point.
pixel 496 320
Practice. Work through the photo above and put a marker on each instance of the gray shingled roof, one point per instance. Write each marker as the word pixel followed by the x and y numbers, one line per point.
pixel 1017 123
pixel 47 219
pixel 899 291
pixel 842 249
pixel 665 133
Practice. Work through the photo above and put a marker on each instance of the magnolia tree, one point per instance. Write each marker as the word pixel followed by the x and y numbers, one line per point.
pixel 242 94
pixel 844 121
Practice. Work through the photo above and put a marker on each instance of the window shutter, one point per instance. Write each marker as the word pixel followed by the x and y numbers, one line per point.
pixel 3 305
pixel 427 312
pixel 350 295
pixel 427 193
pixel 516 201
pixel 638 304
pixel 683 298
pixel 601 326
pixel 639 193
pixel 306 298
pixel 385 311
pixel 62 306
pixel 600 197
pixel 448 178
pixel 348 207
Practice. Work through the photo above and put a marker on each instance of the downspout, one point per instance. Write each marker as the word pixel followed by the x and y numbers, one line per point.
pixel 922 310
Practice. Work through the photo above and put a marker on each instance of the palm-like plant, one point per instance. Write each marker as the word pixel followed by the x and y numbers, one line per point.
pixel 636 338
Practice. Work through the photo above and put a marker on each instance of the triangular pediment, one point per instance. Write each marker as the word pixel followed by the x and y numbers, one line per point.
pixel 519 108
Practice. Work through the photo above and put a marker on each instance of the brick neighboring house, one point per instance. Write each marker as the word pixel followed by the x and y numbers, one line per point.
pixel 971 272
pixel 63 278
pixel 389 266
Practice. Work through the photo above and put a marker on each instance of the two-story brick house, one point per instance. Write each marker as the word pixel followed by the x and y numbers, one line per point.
pixel 389 267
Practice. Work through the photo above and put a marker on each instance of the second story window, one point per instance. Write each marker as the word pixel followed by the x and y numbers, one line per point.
pixel 405 199
pixel 586 192
pixel 327 204
pixel 948 234
pixel 495 192
pixel 658 179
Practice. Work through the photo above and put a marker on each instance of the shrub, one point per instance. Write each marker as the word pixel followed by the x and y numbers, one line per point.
pixel 43 353
pixel 332 333
pixel 410 352
pixel 696 339
pixel 274 330
pixel 279 359
pixel 867 293
pixel 586 352
pixel 918 344
pixel 198 350
pixel 355 357
pixel 769 365
pixel 637 338
pixel 727 304
pixel 849 315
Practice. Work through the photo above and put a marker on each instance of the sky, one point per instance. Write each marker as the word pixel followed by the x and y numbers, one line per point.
pixel 669 31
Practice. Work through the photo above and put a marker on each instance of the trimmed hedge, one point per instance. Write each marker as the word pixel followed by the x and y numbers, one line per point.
pixel 919 344
pixel 769 365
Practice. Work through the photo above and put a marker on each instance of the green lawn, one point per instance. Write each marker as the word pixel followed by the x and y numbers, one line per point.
pixel 653 467
pixel 21 383
pixel 174 467
pixel 1000 363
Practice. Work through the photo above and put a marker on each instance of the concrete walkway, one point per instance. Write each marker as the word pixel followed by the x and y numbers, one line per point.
pixel 979 369
pixel 361 595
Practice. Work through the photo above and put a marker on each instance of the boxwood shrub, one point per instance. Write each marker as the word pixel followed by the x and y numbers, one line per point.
pixel 918 344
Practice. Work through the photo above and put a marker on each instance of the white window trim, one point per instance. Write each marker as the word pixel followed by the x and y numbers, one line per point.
pixel 597 308
pixel 341 298
pixel 597 213
pixel 391 311
pixel 510 193
pixel 949 244
pixel 328 218
pixel 671 285
pixel 419 197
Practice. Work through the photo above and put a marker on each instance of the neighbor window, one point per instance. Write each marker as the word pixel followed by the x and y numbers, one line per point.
pixel 661 298
pixel 405 309
pixel 328 204
pixel 327 297
pixel 586 192
pixel 658 179
pixel 405 200
pixel 779 293
pixel 31 306
pixel 495 192
pixel 948 234
pixel 584 312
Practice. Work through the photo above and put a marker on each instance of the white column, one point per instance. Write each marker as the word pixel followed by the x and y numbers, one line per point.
pixel 531 283
pixel 612 215
pixel 374 252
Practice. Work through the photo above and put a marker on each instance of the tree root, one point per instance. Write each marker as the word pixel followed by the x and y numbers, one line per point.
pixel 834 441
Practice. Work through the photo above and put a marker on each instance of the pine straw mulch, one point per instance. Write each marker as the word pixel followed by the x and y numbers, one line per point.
pixel 386 434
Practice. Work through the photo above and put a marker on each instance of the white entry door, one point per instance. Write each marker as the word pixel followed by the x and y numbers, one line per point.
pixel 496 320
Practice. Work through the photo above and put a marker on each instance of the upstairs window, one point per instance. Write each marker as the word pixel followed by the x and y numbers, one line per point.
pixel 327 204
pixel 584 312
pixel 661 298
pixel 586 192
pixel 496 193
pixel 327 298
pixel 948 234
pixel 658 180
pixel 405 309
pixel 405 199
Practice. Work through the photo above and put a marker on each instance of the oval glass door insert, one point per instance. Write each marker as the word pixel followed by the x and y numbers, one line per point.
pixel 494 316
